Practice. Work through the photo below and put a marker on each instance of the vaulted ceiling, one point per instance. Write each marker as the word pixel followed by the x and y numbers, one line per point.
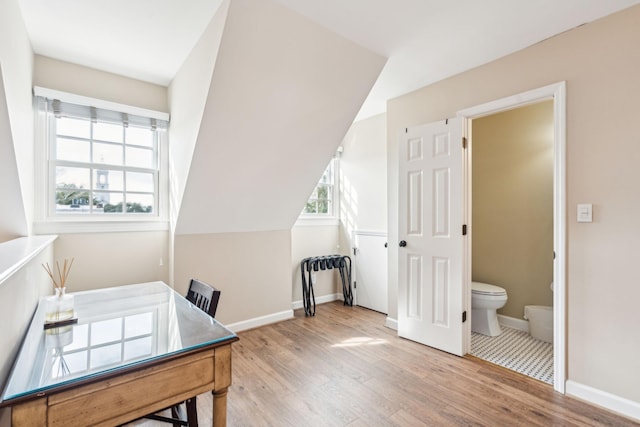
pixel 262 91
pixel 425 40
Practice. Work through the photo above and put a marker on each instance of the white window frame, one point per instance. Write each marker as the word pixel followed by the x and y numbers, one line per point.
pixel 328 218
pixel 46 221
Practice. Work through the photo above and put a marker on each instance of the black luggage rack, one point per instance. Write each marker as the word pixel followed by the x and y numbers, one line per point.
pixel 328 262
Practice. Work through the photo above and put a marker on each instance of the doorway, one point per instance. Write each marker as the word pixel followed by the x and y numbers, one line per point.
pixel 483 269
pixel 512 234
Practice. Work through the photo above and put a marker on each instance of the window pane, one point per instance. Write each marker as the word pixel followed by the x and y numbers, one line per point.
pixel 72 178
pixel 115 203
pixel 137 181
pixel 140 157
pixel 138 324
pixel 107 179
pixel 323 206
pixel 72 149
pixel 107 355
pixel 137 348
pixel 73 127
pixel 311 207
pixel 106 331
pixel 107 153
pixel 139 203
pixel 72 202
pixel 139 136
pixel 327 177
pixel 108 132
pixel 76 362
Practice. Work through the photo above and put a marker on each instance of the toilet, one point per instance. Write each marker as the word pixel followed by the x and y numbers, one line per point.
pixel 485 300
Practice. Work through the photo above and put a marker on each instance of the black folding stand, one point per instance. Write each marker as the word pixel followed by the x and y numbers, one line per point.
pixel 312 264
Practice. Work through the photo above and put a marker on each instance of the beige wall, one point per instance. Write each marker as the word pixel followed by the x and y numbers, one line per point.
pixel 102 260
pixel 253 271
pixel 79 80
pixel 512 193
pixel 599 62
pixel 311 241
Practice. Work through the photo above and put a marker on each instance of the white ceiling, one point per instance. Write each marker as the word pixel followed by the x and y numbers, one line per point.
pixel 425 40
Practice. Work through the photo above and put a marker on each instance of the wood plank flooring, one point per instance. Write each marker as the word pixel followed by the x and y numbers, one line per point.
pixel 343 367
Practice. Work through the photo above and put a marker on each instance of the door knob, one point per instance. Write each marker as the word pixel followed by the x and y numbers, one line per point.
pixel 403 243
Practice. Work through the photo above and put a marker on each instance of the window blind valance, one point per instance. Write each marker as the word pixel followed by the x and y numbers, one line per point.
pixel 63 104
pixel 65 109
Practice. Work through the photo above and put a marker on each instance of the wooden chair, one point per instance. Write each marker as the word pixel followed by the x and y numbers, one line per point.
pixel 205 297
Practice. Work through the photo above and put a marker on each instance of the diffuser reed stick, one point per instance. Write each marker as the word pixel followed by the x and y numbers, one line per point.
pixel 63 273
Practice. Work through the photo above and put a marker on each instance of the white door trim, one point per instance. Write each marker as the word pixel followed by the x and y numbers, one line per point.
pixel 557 92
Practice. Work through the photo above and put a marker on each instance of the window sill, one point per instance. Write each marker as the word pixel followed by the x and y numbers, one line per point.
pixel 98 226
pixel 322 221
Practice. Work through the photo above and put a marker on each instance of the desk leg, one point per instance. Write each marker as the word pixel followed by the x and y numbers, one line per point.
pixel 222 372
pixel 220 408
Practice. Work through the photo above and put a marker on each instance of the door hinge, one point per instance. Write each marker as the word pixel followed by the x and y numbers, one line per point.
pixel 355 251
pixel 464 229
pixel 464 142
pixel 354 284
pixel 464 316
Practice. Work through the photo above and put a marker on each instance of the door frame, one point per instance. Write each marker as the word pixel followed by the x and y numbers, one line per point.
pixel 556 92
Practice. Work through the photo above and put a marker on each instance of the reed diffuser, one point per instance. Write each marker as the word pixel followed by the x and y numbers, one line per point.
pixel 59 305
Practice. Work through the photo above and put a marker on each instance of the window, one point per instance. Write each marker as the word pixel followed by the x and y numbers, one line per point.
pixel 99 163
pixel 321 201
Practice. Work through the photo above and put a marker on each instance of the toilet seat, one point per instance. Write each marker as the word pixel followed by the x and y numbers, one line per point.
pixel 480 288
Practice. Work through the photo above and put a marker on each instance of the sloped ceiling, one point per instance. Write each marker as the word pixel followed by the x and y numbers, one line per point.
pixel 425 40
pixel 284 91
pixel 13 219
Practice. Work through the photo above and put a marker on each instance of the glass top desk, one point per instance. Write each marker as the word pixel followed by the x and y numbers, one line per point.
pixel 135 350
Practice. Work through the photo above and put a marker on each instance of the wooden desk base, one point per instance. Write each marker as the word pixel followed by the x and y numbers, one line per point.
pixel 131 395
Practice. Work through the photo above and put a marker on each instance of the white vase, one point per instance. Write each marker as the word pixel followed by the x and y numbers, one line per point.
pixel 59 306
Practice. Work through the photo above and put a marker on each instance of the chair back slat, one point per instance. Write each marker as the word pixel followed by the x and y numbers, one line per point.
pixel 203 296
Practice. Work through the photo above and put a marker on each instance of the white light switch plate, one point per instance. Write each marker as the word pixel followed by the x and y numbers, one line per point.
pixel 585 212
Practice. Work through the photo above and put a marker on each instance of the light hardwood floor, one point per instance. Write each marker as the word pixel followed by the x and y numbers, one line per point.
pixel 343 367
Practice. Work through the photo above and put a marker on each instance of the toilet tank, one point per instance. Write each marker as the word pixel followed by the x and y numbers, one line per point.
pixel 540 319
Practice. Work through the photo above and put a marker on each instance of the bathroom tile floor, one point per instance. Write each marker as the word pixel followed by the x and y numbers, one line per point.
pixel 516 350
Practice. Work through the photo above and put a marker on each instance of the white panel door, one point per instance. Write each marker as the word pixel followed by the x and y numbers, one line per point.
pixel 370 263
pixel 430 288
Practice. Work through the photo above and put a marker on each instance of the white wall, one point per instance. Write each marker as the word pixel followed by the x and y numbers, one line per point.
pixel 16 63
pixel 363 180
pixel 188 93
pixel 363 175
pixel 19 295
pixel 13 222
pixel 599 62
pixel 284 91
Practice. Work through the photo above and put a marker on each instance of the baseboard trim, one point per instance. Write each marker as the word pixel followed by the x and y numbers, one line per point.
pixel 514 323
pixel 609 401
pixel 296 305
pixel 391 323
pixel 260 321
